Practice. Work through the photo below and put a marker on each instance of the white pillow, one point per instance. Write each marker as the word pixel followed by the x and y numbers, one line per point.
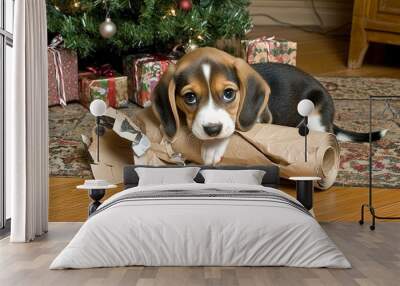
pixel 163 176
pixel 248 177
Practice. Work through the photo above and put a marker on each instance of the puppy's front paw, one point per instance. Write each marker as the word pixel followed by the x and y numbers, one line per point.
pixel 213 151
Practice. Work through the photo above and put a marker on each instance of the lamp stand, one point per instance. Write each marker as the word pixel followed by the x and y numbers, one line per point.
pixel 100 130
pixel 303 131
pixel 305 137
pixel 98 138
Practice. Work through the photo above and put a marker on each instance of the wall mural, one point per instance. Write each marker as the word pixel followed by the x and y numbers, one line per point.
pixel 210 107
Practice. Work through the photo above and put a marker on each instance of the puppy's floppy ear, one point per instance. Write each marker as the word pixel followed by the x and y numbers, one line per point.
pixel 164 105
pixel 254 95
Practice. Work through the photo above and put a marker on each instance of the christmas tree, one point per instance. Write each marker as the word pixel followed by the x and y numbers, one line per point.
pixel 145 25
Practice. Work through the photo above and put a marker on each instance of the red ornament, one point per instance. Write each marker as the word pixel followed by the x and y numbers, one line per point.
pixel 185 5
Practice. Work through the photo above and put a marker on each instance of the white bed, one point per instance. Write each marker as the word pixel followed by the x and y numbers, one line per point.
pixel 201 224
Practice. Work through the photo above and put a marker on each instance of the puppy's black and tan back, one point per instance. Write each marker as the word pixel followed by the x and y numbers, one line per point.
pixel 289 85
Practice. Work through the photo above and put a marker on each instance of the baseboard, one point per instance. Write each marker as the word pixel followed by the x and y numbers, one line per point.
pixel 300 12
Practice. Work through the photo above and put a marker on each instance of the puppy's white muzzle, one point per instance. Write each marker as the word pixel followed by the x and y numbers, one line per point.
pixel 213 123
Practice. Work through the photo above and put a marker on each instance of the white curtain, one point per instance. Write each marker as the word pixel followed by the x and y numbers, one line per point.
pixel 27 124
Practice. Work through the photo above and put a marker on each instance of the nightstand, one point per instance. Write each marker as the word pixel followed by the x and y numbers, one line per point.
pixel 305 190
pixel 373 21
pixel 96 190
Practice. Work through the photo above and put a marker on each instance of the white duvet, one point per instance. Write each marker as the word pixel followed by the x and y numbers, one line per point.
pixel 183 231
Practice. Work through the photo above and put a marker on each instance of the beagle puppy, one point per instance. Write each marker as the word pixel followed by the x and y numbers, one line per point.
pixel 215 93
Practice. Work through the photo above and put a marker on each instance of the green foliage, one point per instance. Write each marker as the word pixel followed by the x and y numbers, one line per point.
pixel 145 25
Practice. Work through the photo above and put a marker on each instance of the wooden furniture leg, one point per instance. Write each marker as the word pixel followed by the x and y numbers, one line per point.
pixel 358 45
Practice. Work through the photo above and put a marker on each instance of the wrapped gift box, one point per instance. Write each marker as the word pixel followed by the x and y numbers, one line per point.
pixel 62 76
pixel 144 71
pixel 113 90
pixel 270 49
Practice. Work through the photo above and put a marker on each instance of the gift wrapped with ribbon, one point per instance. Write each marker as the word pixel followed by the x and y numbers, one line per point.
pixel 269 49
pixel 103 83
pixel 144 71
pixel 62 74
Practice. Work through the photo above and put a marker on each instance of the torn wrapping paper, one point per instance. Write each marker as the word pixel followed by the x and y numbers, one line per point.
pixel 120 143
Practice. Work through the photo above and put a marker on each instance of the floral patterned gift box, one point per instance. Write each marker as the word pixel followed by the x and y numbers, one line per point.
pixel 113 90
pixel 144 71
pixel 270 49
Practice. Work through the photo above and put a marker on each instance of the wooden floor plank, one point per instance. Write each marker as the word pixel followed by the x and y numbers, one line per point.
pixel 335 204
pixel 375 259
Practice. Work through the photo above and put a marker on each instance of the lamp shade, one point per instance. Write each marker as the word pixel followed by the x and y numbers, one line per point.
pixel 305 107
pixel 98 107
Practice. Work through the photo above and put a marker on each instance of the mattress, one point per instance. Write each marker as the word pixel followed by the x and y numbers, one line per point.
pixel 201 225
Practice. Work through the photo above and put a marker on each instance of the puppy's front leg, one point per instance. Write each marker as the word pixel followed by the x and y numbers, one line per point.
pixel 212 151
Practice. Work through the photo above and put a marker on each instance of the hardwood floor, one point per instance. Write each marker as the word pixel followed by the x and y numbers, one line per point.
pixel 375 259
pixel 335 204
pixel 317 54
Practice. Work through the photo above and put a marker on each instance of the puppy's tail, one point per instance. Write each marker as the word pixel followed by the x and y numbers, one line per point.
pixel 345 135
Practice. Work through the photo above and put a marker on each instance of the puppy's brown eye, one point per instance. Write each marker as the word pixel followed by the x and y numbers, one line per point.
pixel 190 98
pixel 229 95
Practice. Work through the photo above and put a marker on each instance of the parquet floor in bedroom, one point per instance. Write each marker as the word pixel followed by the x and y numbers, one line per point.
pixel 318 55
pixel 375 259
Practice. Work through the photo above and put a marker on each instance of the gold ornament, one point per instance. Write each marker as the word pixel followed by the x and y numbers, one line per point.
pixel 107 28
pixel 190 46
pixel 172 12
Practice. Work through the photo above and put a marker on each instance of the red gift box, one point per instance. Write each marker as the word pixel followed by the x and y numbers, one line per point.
pixel 103 83
pixel 62 76
pixel 144 71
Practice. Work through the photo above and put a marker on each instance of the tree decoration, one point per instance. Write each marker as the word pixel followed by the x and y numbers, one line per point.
pixel 172 12
pixel 185 5
pixel 107 29
pixel 76 4
pixel 68 6
pixel 145 25
pixel 190 46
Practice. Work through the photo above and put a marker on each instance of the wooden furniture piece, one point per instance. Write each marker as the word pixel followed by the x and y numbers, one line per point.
pixel 373 21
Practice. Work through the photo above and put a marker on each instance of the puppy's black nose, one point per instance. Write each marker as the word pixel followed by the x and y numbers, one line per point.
pixel 212 129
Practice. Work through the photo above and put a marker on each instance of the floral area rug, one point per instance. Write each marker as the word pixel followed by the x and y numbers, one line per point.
pixel 351 98
pixel 68 156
